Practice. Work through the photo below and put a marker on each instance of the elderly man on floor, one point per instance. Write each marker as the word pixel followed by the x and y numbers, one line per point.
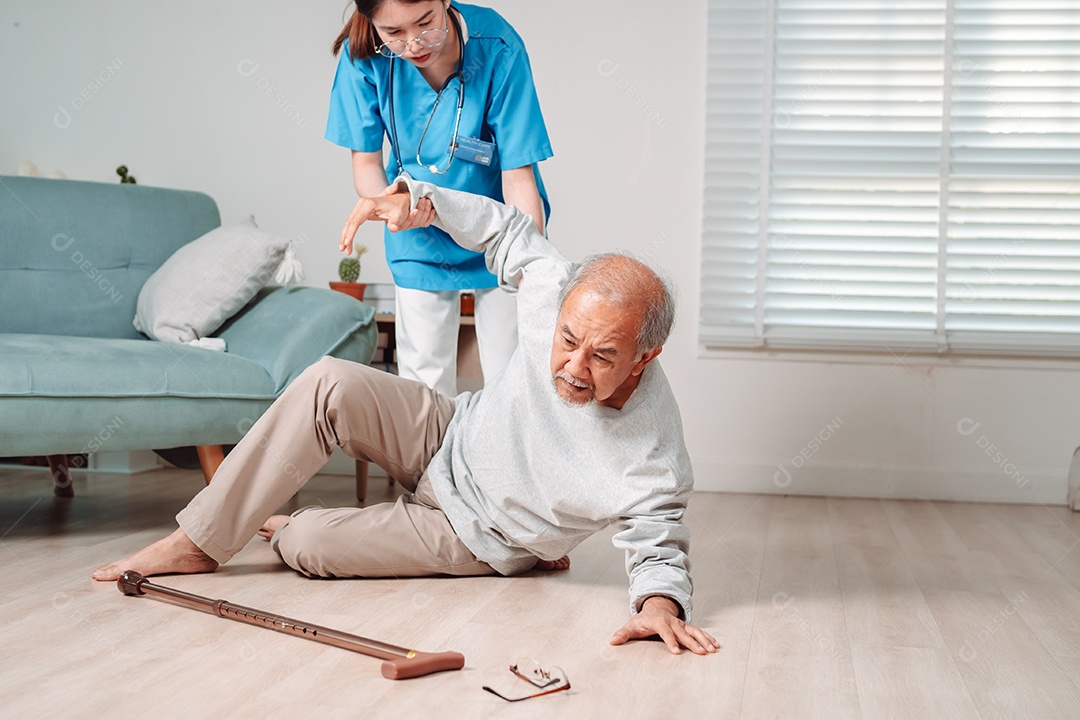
pixel 579 432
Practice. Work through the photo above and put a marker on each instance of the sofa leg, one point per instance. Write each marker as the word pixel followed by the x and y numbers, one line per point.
pixel 210 457
pixel 61 475
pixel 361 480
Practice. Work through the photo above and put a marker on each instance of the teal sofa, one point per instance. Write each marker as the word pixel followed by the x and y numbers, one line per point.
pixel 75 375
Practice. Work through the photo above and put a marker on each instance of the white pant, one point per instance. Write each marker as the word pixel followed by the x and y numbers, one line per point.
pixel 427 334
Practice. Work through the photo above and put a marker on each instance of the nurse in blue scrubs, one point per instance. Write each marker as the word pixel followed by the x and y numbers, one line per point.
pixel 450 87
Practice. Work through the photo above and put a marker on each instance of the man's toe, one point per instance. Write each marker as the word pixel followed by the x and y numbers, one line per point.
pixel 106 572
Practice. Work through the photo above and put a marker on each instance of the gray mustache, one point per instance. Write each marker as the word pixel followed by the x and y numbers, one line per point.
pixel 562 374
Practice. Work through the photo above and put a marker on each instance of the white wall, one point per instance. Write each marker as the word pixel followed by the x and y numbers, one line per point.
pixel 180 92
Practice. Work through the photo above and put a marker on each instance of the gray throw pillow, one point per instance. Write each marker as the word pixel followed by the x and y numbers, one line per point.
pixel 207 281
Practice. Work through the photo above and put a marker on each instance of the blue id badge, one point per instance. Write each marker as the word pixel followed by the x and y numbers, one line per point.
pixel 476 151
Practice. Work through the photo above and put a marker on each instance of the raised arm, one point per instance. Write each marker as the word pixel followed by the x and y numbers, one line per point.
pixel 369 178
pixel 508 238
pixel 392 209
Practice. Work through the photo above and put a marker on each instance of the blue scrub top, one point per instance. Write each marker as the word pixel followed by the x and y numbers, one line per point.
pixel 500 107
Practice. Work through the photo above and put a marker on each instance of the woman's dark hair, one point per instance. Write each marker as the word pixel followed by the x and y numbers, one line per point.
pixel 360 32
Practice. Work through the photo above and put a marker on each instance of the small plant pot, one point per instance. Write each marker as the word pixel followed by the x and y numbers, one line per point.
pixel 468 304
pixel 356 290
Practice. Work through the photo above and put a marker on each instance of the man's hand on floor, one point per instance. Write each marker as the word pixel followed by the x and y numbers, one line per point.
pixel 660 616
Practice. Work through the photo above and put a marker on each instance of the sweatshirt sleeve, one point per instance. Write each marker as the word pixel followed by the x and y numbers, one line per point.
pixel 657 544
pixel 507 237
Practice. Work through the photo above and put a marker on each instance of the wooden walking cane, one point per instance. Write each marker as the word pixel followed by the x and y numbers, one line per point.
pixel 401 663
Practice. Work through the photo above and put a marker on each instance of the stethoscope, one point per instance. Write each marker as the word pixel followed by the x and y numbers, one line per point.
pixel 460 103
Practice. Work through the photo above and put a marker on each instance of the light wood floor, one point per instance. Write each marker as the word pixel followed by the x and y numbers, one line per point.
pixel 826 608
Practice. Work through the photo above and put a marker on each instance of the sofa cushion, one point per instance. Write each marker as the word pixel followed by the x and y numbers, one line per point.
pixel 74 255
pixel 205 282
pixel 59 366
pixel 36 426
pixel 287 329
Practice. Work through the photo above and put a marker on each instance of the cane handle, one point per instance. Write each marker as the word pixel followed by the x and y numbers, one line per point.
pixel 421 663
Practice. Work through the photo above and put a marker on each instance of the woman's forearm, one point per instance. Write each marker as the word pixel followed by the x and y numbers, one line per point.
pixel 519 189
pixel 369 177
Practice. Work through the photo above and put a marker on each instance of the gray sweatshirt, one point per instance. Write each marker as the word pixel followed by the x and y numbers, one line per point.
pixel 521 475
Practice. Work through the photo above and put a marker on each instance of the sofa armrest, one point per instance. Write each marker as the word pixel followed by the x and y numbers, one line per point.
pixel 287 329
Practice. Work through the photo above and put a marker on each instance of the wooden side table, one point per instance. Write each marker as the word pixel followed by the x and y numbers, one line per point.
pixel 386 325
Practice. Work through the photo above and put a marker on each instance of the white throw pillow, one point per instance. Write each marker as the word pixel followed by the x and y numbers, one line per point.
pixel 207 281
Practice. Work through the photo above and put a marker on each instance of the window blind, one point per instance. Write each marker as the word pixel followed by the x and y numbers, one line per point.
pixel 893 176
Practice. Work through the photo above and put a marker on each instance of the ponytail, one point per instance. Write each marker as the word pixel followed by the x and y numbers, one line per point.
pixel 360 33
pixel 359 30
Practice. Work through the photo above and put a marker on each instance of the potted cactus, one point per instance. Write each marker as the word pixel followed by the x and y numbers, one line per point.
pixel 349 272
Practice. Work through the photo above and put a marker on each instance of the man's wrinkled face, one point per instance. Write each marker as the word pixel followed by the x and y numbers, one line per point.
pixel 594 353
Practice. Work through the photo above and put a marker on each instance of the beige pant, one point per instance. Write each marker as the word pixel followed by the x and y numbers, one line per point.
pixel 395 423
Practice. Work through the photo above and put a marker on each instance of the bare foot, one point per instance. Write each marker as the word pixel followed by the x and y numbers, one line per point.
pixel 174 554
pixel 549 565
pixel 272 525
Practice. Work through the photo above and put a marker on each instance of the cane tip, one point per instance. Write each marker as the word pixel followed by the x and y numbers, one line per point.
pixel 129 583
